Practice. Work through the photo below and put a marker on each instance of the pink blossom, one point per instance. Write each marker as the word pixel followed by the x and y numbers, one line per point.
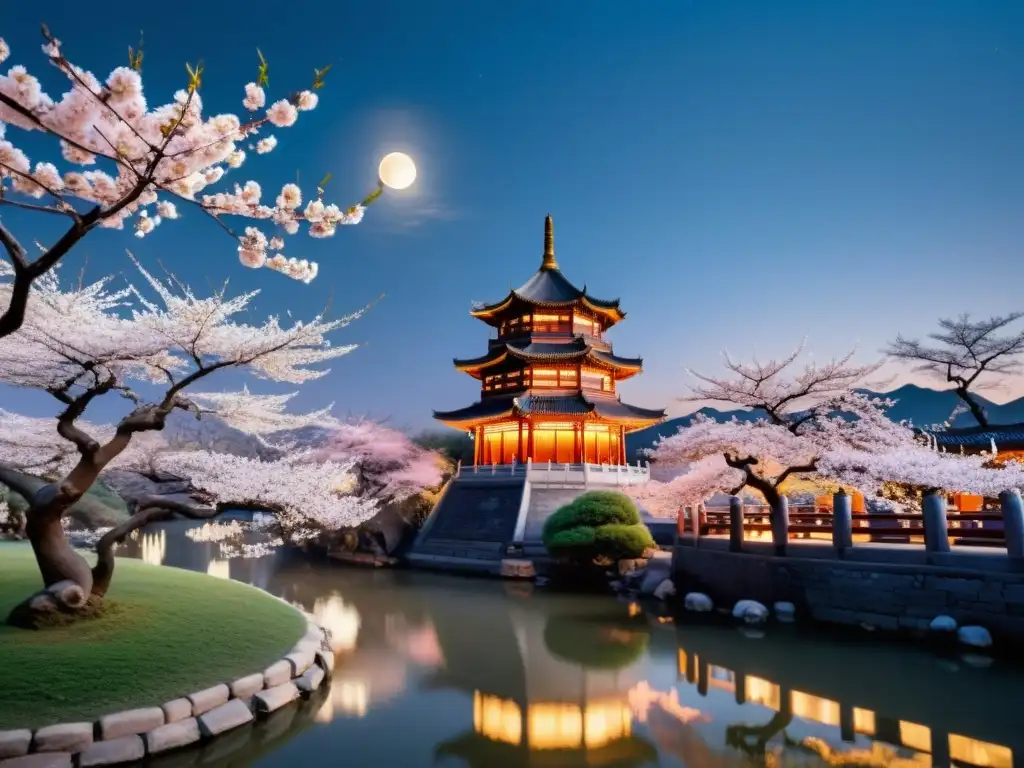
pixel 254 97
pixel 235 159
pixel 282 114
pixel 314 211
pixel 5 51
pixel 166 209
pixel 307 100
pixel 263 146
pixel 125 85
pixel 290 197
pixel 276 243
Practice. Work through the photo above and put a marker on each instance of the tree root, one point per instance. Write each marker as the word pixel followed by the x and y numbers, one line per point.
pixel 58 605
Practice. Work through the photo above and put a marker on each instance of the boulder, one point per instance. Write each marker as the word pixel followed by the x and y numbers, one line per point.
pixel 665 590
pixel 177 710
pixel 274 698
pixel 130 722
pixel 126 749
pixel 246 687
pixel 15 743
pixel 172 736
pixel 943 624
pixel 750 612
pixel 698 602
pixel 277 673
pixel 205 700
pixel 310 680
pixel 976 637
pixel 64 737
pixel 224 717
pixel 785 612
pixel 300 661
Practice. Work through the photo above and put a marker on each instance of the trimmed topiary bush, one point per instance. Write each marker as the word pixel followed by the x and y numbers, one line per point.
pixel 598 525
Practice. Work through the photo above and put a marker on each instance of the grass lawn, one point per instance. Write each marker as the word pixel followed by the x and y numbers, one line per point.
pixel 170 632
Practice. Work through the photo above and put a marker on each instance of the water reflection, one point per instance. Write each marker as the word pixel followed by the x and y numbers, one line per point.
pixel 435 671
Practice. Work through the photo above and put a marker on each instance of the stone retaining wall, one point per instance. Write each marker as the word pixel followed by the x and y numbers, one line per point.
pixel 891 596
pixel 130 736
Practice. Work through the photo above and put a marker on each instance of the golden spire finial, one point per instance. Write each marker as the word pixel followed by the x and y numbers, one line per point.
pixel 549 245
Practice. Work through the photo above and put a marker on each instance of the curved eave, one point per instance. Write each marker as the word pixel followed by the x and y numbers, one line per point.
pixel 487 311
pixel 473 366
pixel 632 416
pixel 609 309
pixel 624 367
pixel 478 413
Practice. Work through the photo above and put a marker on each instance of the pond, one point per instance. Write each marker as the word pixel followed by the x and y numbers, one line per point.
pixel 444 671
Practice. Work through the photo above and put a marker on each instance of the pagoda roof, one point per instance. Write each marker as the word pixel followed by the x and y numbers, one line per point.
pixel 548 287
pixel 1007 437
pixel 609 408
pixel 533 351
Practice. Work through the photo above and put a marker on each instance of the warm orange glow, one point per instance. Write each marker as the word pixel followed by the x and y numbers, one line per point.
pixel 810 707
pixel 605 722
pixel 554 726
pixel 761 691
pixel 721 678
pixel 864 721
pixel 497 719
pixel 980 753
pixel 968 502
pixel 916 736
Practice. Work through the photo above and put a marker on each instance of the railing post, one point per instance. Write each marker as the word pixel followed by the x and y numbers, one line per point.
pixel 842 521
pixel 779 517
pixel 494 468
pixel 936 528
pixel 512 466
pixel 586 475
pixel 735 524
pixel 1013 522
pixel 458 467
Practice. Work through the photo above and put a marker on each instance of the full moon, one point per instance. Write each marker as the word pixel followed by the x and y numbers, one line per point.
pixel 397 170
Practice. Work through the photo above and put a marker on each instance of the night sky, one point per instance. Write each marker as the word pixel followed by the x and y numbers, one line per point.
pixel 741 174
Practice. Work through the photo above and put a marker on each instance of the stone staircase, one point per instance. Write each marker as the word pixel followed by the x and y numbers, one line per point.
pixel 473 525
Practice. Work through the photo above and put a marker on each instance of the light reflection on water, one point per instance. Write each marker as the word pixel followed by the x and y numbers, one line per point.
pixel 437 671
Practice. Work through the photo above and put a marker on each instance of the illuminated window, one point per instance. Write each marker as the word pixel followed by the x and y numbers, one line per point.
pixel 497 719
pixel 555 726
pixel 974 752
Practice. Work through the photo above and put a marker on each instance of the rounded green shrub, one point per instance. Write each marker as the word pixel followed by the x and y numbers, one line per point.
pixel 594 509
pixel 597 524
pixel 623 542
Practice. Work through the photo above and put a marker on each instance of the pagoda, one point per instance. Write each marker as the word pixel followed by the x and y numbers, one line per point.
pixel 549 379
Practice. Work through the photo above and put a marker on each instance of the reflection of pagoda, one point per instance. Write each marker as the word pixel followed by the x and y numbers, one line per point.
pixel 548 381
pixel 541 711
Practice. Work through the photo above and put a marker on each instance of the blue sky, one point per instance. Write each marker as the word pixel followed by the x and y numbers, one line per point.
pixel 741 173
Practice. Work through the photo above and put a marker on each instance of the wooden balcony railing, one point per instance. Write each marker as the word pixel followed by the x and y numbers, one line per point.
pixel 746 522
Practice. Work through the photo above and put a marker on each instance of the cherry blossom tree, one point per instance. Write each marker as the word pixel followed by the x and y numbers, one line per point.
pixel 963 352
pixel 388 465
pixel 93 341
pixel 159 159
pixel 808 412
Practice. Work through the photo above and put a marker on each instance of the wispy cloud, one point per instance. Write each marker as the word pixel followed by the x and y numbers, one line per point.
pixel 418 215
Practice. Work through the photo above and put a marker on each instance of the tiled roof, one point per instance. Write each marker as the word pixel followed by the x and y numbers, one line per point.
pixel 1006 437
pixel 551 405
pixel 567 350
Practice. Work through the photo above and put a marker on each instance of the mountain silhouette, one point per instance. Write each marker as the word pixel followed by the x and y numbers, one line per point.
pixel 922 406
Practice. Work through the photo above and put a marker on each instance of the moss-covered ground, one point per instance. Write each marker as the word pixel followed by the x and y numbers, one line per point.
pixel 165 633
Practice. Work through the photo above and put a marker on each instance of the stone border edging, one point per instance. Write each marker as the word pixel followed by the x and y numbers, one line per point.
pixel 131 735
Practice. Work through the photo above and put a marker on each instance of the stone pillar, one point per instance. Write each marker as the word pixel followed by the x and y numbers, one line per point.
pixel 936 536
pixel 577 444
pixel 1013 522
pixel 842 521
pixel 735 524
pixel 780 525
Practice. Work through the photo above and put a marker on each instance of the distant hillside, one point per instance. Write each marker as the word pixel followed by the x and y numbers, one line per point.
pixel 920 405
